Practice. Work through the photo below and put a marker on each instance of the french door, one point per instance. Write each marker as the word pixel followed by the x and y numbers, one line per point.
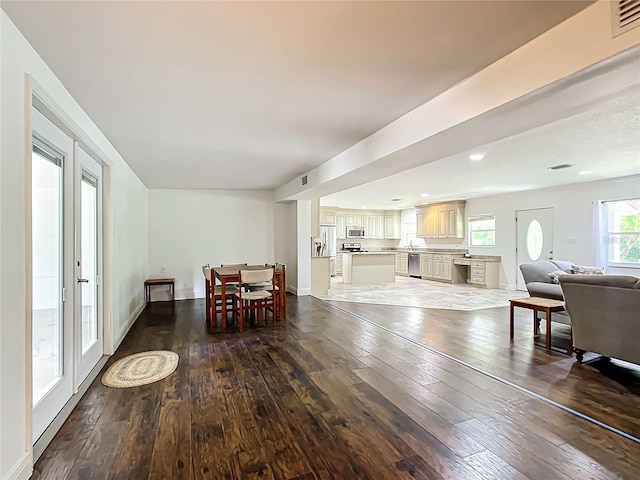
pixel 534 238
pixel 88 222
pixel 66 265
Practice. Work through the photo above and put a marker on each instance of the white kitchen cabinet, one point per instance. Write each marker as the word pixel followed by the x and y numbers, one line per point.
pixel 338 263
pixel 355 220
pixel 485 274
pixel 380 226
pixel 426 265
pixel 441 220
pixel 402 264
pixel 446 269
pixel 442 267
pixel 327 217
pixel 369 224
pixel 431 224
pixel 420 224
pixel 341 226
pixel 451 220
pixel 392 226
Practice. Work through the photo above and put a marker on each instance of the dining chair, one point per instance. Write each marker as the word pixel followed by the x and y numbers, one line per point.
pixel 280 287
pixel 256 300
pixel 213 295
pixel 281 284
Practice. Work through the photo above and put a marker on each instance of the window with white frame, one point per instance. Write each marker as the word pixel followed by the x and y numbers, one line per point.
pixel 622 231
pixel 482 230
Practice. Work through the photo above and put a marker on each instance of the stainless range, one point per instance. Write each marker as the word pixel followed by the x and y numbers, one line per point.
pixel 352 247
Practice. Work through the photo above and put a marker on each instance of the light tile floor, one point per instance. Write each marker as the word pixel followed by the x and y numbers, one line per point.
pixel 414 292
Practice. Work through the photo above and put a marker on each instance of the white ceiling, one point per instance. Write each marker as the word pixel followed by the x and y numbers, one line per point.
pixel 604 140
pixel 249 95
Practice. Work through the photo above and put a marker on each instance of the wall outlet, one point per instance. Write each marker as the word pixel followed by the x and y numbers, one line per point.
pixel 163 269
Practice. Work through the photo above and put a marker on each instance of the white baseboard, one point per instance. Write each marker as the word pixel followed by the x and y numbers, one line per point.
pixel 21 470
pixel 132 319
pixel 301 292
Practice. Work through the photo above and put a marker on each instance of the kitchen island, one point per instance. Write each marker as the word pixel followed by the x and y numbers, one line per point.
pixel 359 268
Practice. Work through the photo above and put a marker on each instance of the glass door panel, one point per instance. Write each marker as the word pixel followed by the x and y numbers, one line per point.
pixel 89 260
pixel 47 283
pixel 52 331
pixel 89 339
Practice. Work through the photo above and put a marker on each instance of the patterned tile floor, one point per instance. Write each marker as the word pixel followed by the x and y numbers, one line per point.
pixel 414 292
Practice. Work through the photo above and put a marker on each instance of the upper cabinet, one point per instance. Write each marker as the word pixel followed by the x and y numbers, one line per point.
pixel 377 224
pixel 327 217
pixel 392 225
pixel 341 225
pixel 441 220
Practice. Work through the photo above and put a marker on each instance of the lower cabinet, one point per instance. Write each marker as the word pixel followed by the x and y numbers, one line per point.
pixel 339 263
pixel 442 267
pixel 402 264
pixel 485 274
pixel 426 265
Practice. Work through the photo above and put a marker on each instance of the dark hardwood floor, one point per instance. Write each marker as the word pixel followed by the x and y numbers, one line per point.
pixel 327 395
pixel 606 391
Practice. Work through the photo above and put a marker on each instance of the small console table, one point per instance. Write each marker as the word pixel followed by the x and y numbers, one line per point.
pixel 159 281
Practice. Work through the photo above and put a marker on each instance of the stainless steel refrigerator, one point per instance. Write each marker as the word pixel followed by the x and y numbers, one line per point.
pixel 328 241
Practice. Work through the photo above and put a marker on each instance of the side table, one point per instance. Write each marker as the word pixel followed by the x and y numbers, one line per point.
pixel 159 281
pixel 537 304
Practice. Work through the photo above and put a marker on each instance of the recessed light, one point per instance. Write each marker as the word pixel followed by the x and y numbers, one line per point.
pixel 364 206
pixel 476 156
pixel 586 172
pixel 424 195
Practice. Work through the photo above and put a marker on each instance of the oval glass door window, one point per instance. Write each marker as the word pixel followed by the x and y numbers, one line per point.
pixel 534 240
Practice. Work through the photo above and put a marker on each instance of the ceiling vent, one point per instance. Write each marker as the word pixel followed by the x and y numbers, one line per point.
pixel 625 15
pixel 304 180
pixel 562 165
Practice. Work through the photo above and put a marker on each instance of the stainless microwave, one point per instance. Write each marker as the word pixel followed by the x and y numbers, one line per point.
pixel 355 232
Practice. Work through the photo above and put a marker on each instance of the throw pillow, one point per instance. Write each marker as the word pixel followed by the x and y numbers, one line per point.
pixel 581 270
pixel 554 275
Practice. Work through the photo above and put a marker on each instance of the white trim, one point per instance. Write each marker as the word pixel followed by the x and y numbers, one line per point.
pixel 132 319
pixel 22 469
pixel 301 292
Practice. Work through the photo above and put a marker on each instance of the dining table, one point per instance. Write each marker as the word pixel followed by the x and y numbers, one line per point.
pixel 231 274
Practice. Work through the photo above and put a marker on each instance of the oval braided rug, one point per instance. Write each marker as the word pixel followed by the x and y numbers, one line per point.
pixel 140 369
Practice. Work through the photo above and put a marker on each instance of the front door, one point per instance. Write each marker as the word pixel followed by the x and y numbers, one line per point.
pixel 534 238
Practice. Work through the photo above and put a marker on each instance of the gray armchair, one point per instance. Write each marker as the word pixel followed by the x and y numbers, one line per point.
pixel 605 314
pixel 540 284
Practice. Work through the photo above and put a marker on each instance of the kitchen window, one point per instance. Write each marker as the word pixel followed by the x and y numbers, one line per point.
pixel 622 231
pixel 482 231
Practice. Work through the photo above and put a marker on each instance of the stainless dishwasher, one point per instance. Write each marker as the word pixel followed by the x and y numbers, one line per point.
pixel 414 265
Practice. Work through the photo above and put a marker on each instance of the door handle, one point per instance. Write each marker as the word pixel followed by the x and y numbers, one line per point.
pixel 83 280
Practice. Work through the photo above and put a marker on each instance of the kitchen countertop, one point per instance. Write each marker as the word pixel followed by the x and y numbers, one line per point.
pixel 378 252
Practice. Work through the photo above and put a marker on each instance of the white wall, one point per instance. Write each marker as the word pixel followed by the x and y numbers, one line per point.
pixel 573 221
pixel 126 234
pixel 303 239
pixel 286 240
pixel 188 228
